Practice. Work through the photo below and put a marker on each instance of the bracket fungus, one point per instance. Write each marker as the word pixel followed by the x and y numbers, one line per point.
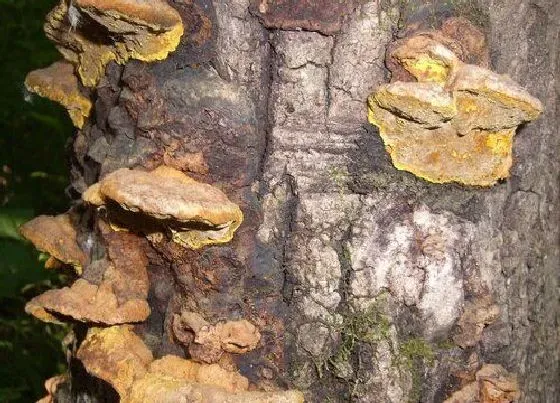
pixel 166 389
pixel 87 302
pixel 453 122
pixel 208 342
pixel 208 374
pixel 91 33
pixel 57 236
pixel 492 384
pixel 165 199
pixel 120 296
pixel 118 356
pixel 59 84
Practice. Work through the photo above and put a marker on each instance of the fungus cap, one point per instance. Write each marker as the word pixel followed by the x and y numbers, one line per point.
pixel 196 213
pixel 236 336
pixel 59 84
pixel 116 355
pixel 491 101
pixel 493 384
pixel 426 59
pixel 208 374
pixel 129 29
pixel 86 302
pixel 120 357
pixel 162 388
pixel 425 103
pixel 56 236
pixel 463 131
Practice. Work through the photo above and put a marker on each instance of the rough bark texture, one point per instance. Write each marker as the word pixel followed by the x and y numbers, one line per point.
pixel 355 273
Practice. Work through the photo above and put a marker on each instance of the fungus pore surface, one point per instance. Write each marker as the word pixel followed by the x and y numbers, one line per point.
pixel 449 121
pixel 87 302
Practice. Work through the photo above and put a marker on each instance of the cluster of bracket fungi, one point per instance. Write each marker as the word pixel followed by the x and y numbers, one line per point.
pixel 446 120
pixel 132 208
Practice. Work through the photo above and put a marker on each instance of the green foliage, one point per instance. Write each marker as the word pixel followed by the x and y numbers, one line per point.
pixel 33 176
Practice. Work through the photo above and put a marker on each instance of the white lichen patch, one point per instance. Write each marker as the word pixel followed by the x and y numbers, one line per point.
pixel 443 286
pixel 417 260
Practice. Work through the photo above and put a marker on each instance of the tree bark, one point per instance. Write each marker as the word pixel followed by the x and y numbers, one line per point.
pixel 355 273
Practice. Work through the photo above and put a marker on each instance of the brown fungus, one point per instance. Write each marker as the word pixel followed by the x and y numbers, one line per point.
pixel 57 236
pixel 195 214
pixel 167 389
pixel 91 33
pixel 465 41
pixel 87 302
pixel 207 374
pixel 207 342
pixel 118 356
pixel 59 84
pixel 117 296
pixel 456 123
pixel 492 384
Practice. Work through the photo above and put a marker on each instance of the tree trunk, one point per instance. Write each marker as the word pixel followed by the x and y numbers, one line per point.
pixel 356 274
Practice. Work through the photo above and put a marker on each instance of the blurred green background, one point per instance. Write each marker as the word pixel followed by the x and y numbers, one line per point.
pixel 33 177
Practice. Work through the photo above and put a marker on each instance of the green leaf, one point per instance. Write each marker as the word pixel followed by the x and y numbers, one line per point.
pixel 10 221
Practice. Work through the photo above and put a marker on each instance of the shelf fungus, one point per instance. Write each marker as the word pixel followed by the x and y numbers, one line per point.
pixel 120 297
pixel 455 122
pixel 166 200
pixel 492 384
pixel 118 356
pixel 87 302
pixel 59 84
pixel 57 236
pixel 91 33
pixel 207 342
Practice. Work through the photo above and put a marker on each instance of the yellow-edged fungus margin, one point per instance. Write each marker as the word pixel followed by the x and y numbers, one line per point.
pixel 166 200
pixel 91 33
pixel 59 84
pixel 456 122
